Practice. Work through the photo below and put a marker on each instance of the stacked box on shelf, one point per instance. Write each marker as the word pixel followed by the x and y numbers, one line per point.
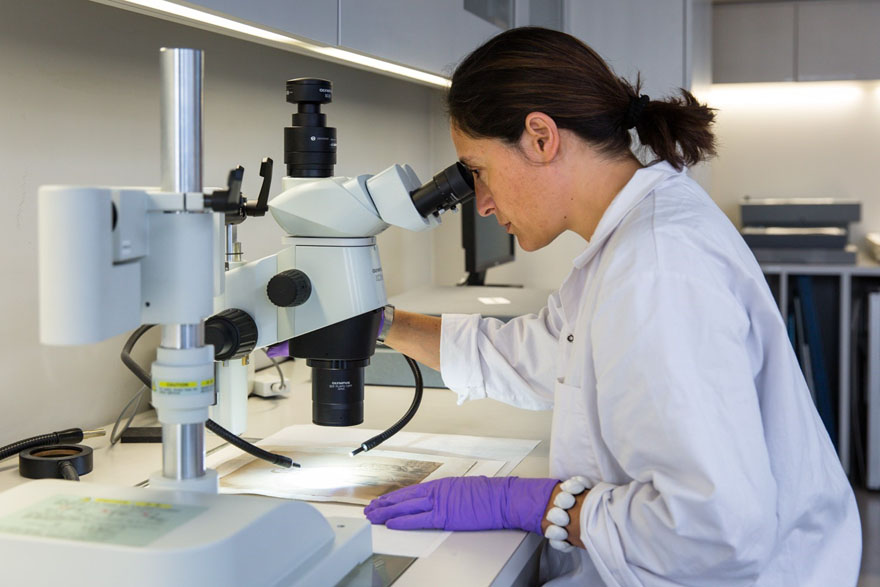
pixel 800 230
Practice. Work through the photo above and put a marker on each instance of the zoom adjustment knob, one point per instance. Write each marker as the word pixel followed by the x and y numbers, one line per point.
pixel 232 332
pixel 289 288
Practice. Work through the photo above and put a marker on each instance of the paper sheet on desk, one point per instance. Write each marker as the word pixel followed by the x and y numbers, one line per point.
pixel 330 474
pixel 509 450
pixel 495 456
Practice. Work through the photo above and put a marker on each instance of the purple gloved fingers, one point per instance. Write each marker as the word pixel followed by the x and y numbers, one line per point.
pixel 410 492
pixel 422 521
pixel 407 493
pixel 379 515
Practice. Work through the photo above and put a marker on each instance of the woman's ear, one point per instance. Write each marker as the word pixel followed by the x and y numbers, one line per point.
pixel 540 138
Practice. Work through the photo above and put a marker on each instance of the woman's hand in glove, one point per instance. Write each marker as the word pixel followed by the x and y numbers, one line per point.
pixel 465 503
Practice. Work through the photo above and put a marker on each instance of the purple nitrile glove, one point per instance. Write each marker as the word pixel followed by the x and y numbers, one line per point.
pixel 282 349
pixel 465 503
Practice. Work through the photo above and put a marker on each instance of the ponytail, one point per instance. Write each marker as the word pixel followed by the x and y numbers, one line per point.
pixel 676 129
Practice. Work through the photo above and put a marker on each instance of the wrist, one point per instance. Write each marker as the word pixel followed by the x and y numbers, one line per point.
pixel 525 499
pixel 561 522
pixel 385 323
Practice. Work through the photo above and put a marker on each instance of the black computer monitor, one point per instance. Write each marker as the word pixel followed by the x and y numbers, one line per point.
pixel 486 244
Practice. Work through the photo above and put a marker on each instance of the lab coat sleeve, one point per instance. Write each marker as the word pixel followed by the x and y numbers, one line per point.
pixel 679 412
pixel 512 362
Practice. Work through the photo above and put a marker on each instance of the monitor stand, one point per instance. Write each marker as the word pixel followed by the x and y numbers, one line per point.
pixel 479 278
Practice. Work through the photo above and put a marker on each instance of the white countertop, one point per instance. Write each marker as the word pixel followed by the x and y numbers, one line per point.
pixel 465 558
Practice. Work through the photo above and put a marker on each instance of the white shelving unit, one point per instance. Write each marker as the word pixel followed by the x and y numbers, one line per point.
pixel 840 282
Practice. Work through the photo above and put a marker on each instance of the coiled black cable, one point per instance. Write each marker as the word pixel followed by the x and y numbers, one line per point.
pixel 69 436
pixel 413 408
pixel 240 443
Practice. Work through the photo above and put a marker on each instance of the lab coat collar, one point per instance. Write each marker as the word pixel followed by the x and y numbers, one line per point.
pixel 642 183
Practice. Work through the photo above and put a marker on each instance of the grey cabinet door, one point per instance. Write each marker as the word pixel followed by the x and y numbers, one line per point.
pixel 312 19
pixel 838 40
pixel 753 42
pixel 636 36
pixel 429 35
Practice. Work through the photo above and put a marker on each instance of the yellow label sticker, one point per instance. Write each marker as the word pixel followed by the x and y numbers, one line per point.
pixel 150 504
pixel 207 382
pixel 178 384
pixel 108 500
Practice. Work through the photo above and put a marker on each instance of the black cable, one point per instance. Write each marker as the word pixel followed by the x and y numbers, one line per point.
pixel 251 449
pixel 417 399
pixel 69 436
pixel 130 362
pixel 275 459
pixel 68 471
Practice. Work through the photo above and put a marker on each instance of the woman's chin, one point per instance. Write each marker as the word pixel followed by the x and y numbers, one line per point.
pixel 526 245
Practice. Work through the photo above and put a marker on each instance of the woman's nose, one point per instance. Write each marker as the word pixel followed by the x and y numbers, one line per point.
pixel 485 203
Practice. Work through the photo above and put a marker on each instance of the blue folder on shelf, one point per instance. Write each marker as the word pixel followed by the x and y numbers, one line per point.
pixel 822 388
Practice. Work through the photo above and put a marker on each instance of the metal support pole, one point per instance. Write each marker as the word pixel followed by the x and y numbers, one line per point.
pixel 182 72
pixel 183 336
pixel 183 451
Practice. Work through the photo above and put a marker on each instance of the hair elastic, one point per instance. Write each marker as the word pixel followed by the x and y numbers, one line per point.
pixel 558 514
pixel 634 111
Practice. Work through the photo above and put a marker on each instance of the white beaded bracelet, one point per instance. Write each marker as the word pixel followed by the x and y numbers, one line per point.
pixel 558 516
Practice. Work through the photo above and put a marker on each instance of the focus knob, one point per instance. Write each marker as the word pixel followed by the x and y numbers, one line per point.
pixel 232 332
pixel 289 288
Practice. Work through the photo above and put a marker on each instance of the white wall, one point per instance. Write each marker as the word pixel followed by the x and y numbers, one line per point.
pixel 79 105
pixel 799 140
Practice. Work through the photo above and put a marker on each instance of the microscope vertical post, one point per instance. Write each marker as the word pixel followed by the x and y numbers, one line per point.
pixel 182 77
pixel 182 72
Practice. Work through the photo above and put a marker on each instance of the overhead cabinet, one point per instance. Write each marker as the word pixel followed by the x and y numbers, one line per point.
pixel 655 38
pixel 838 40
pixel 753 42
pixel 796 41
pixel 432 36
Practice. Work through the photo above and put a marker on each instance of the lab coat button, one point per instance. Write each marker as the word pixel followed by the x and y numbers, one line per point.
pixel 570 338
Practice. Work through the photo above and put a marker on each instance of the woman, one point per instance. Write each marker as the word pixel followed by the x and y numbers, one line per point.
pixel 683 428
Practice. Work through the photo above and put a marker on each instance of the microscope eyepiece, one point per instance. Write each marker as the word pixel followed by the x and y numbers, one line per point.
pixel 309 144
pixel 309 90
pixel 449 188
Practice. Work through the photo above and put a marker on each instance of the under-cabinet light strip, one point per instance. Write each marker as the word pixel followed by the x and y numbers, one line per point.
pixel 333 53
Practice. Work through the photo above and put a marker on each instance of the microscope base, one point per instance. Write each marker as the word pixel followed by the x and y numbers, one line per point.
pixel 54 531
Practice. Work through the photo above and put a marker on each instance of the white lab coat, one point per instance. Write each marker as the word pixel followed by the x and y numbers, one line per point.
pixel 676 393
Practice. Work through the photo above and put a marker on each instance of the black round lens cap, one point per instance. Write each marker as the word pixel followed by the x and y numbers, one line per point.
pixel 309 89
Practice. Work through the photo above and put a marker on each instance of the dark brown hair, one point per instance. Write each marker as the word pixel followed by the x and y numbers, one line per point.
pixel 532 69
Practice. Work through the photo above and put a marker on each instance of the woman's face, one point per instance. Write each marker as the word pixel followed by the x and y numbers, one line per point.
pixel 510 186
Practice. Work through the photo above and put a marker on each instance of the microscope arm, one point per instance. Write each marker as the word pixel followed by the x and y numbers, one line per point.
pixel 328 278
